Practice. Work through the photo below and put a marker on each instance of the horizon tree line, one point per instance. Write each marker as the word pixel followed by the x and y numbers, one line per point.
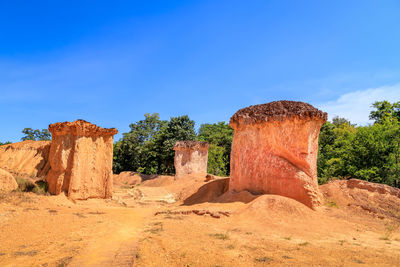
pixel 370 153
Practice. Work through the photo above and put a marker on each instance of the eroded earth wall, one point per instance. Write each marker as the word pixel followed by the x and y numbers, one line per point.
pixel 26 159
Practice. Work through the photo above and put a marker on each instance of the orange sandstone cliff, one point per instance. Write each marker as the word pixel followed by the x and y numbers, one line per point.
pixel 80 157
pixel 26 159
pixel 275 148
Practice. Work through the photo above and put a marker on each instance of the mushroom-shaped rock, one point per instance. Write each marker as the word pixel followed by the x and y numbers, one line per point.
pixel 80 158
pixel 191 157
pixel 275 148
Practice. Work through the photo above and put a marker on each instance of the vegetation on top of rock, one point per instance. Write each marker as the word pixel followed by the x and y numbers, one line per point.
pixel 191 145
pixel 5 143
pixel 277 110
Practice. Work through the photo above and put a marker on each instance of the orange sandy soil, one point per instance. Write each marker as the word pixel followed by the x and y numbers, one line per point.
pixel 261 230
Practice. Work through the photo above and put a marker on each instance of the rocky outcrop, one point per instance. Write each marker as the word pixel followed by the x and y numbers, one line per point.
pixel 191 158
pixel 7 181
pixel 26 159
pixel 275 148
pixel 81 156
pixel 373 187
pixel 378 200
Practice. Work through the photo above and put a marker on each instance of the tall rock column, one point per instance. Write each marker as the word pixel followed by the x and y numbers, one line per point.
pixel 191 157
pixel 80 159
pixel 275 149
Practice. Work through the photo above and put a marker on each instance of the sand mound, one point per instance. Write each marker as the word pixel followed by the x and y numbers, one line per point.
pixel 274 206
pixel 157 180
pixel 243 196
pixel 126 178
pixel 129 178
pixel 376 199
pixel 208 192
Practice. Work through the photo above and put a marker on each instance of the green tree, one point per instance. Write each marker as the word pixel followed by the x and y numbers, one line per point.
pixel 130 152
pixel 335 141
pixel 218 161
pixel 178 128
pixel 5 143
pixel 369 153
pixel 385 109
pixel 375 152
pixel 36 135
pixel 220 136
pixel 148 147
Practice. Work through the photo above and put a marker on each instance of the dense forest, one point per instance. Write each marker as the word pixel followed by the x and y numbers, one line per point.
pixel 346 150
pixel 369 153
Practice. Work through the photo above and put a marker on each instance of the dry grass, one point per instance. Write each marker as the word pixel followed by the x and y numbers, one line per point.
pixel 15 198
pixel 263 259
pixel 64 262
pixel 26 185
pixel 220 236
pixel 332 204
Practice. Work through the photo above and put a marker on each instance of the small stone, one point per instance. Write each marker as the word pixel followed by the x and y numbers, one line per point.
pixel 215 215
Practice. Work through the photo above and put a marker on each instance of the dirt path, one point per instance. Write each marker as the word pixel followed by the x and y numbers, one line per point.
pixel 116 247
pixel 142 227
pixel 53 231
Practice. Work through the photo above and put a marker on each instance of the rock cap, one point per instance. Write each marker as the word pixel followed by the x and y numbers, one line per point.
pixel 277 111
pixel 192 145
pixel 80 128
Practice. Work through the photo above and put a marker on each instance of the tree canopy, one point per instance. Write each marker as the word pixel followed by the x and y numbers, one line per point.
pixel 385 109
pixel 36 135
pixel 220 136
pixel 148 147
pixel 369 153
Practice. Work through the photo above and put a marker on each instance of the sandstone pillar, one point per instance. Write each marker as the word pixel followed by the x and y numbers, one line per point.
pixel 275 148
pixel 191 157
pixel 80 157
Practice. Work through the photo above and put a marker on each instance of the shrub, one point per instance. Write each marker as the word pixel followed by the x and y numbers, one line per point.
pixel 26 185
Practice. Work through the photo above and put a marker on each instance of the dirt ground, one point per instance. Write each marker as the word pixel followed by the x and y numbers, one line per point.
pixel 190 222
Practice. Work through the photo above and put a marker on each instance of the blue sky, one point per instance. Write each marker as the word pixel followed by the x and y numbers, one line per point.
pixel 109 62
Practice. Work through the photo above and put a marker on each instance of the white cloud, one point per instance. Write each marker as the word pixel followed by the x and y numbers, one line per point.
pixel 356 106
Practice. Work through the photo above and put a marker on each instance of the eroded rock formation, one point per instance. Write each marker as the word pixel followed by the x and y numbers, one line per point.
pixel 26 159
pixel 81 156
pixel 191 157
pixel 7 181
pixel 275 148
